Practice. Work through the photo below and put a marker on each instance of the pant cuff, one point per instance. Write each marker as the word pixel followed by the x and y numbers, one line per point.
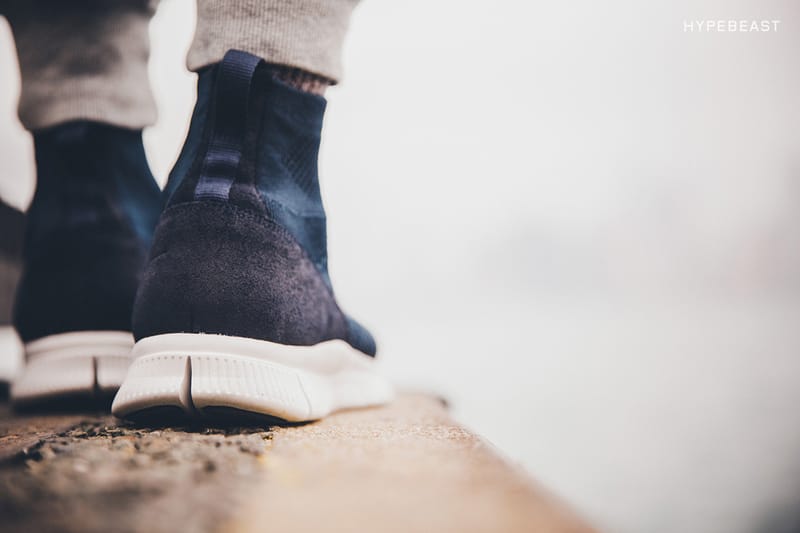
pixel 305 34
pixel 86 62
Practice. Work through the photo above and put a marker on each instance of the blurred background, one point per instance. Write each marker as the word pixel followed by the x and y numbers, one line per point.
pixel 577 222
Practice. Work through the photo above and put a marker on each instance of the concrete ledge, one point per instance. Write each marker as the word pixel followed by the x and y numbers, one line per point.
pixel 405 467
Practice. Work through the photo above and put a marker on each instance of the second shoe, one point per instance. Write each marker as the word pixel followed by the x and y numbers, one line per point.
pixel 87 233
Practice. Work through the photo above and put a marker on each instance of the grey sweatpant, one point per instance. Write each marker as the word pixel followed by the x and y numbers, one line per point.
pixel 87 59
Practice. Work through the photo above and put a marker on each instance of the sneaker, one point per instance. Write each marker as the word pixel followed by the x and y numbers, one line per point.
pixel 88 230
pixel 12 222
pixel 235 312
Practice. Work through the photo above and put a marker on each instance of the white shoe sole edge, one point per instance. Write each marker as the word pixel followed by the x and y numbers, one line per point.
pixel 75 363
pixel 193 371
pixel 10 354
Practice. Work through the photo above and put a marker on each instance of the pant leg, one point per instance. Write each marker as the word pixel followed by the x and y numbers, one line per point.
pixel 83 59
pixel 305 34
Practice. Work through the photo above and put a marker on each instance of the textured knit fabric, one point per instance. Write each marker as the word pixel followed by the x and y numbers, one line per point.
pixel 306 34
pixel 302 80
pixel 82 60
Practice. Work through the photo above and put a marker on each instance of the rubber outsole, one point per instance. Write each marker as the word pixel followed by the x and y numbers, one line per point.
pixel 73 370
pixel 201 375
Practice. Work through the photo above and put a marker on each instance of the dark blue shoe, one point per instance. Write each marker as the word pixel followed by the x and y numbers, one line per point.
pixel 88 230
pixel 235 309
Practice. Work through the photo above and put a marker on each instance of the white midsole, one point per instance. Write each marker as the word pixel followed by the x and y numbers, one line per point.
pixel 326 357
pixel 81 343
pixel 193 371
pixel 79 362
pixel 10 354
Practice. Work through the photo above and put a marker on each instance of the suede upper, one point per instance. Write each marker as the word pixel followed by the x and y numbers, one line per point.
pixel 219 268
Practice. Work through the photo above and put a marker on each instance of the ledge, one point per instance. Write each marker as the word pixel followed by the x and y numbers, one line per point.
pixel 404 467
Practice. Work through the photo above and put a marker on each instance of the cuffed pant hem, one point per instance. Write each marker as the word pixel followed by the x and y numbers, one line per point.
pixel 83 61
pixel 305 34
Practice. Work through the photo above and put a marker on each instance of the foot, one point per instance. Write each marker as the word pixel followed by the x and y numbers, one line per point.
pixel 235 310
pixel 88 230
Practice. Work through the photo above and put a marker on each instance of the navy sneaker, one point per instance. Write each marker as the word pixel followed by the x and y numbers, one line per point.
pixel 12 225
pixel 88 230
pixel 235 310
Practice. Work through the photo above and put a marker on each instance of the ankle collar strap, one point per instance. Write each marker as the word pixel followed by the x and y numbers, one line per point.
pixel 235 79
